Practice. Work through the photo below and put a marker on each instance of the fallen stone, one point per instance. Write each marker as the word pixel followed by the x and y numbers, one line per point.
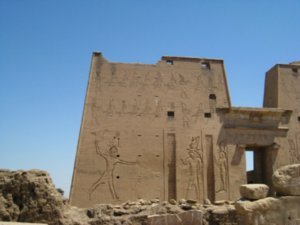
pixel 182 201
pixel 172 201
pixel 155 200
pixel 191 201
pixel 186 206
pixel 207 201
pixel 254 191
pixel 286 180
pixel 244 207
pixel 219 202
pixel 222 210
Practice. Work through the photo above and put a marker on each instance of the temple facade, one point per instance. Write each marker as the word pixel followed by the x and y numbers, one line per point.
pixel 168 131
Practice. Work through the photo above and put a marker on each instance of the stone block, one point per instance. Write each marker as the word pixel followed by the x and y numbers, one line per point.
pixel 254 191
pixel 286 180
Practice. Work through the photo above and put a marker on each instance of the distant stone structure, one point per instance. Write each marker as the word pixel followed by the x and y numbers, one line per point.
pixel 168 131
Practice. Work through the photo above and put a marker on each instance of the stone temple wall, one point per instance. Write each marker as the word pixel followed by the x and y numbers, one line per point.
pixel 168 131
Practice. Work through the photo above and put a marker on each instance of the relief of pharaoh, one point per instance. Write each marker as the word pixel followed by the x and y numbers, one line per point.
pixel 112 159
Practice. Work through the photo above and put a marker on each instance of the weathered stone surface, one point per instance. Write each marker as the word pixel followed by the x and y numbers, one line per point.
pixel 185 218
pixel 275 211
pixel 16 223
pixel 254 191
pixel 259 205
pixel 29 196
pixel 286 180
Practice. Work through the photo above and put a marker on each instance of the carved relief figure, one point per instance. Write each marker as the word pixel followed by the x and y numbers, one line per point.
pixel 135 107
pixel 158 108
pixel 172 82
pixel 110 108
pixel 199 83
pixel 222 162
pixel 111 158
pixel 185 116
pixel 147 109
pixel 194 161
pixel 199 112
pixel 182 80
pixel 123 107
pixel 294 154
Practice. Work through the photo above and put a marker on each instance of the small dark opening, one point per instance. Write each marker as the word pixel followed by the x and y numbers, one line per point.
pixel 212 96
pixel 139 135
pixel 170 62
pixel 299 118
pixel 207 115
pixel 118 156
pixel 118 177
pixel 295 70
pixel 205 65
pixel 171 114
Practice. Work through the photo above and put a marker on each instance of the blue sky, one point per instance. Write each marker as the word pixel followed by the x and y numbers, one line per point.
pixel 46 47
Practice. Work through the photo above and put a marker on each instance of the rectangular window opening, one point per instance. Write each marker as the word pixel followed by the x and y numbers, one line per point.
pixel 299 118
pixel 295 70
pixel 205 65
pixel 207 115
pixel 170 62
pixel 212 96
pixel 171 114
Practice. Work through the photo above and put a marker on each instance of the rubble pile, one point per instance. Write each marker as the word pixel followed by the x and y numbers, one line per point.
pixel 30 196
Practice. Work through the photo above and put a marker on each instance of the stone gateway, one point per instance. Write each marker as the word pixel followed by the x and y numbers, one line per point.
pixel 168 131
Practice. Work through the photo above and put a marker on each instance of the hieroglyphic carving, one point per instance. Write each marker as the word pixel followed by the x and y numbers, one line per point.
pixel 135 107
pixel 123 109
pixel 182 80
pixel 199 83
pixel 199 112
pixel 294 149
pixel 183 89
pixel 222 162
pixel 158 81
pixel 183 93
pixel 185 115
pixel 110 108
pixel 147 109
pixel 172 82
pixel 95 111
pixel 249 138
pixel 158 108
pixel 194 161
pixel 111 158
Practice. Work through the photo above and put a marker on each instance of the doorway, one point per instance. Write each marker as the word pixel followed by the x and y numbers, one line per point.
pixel 256 165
